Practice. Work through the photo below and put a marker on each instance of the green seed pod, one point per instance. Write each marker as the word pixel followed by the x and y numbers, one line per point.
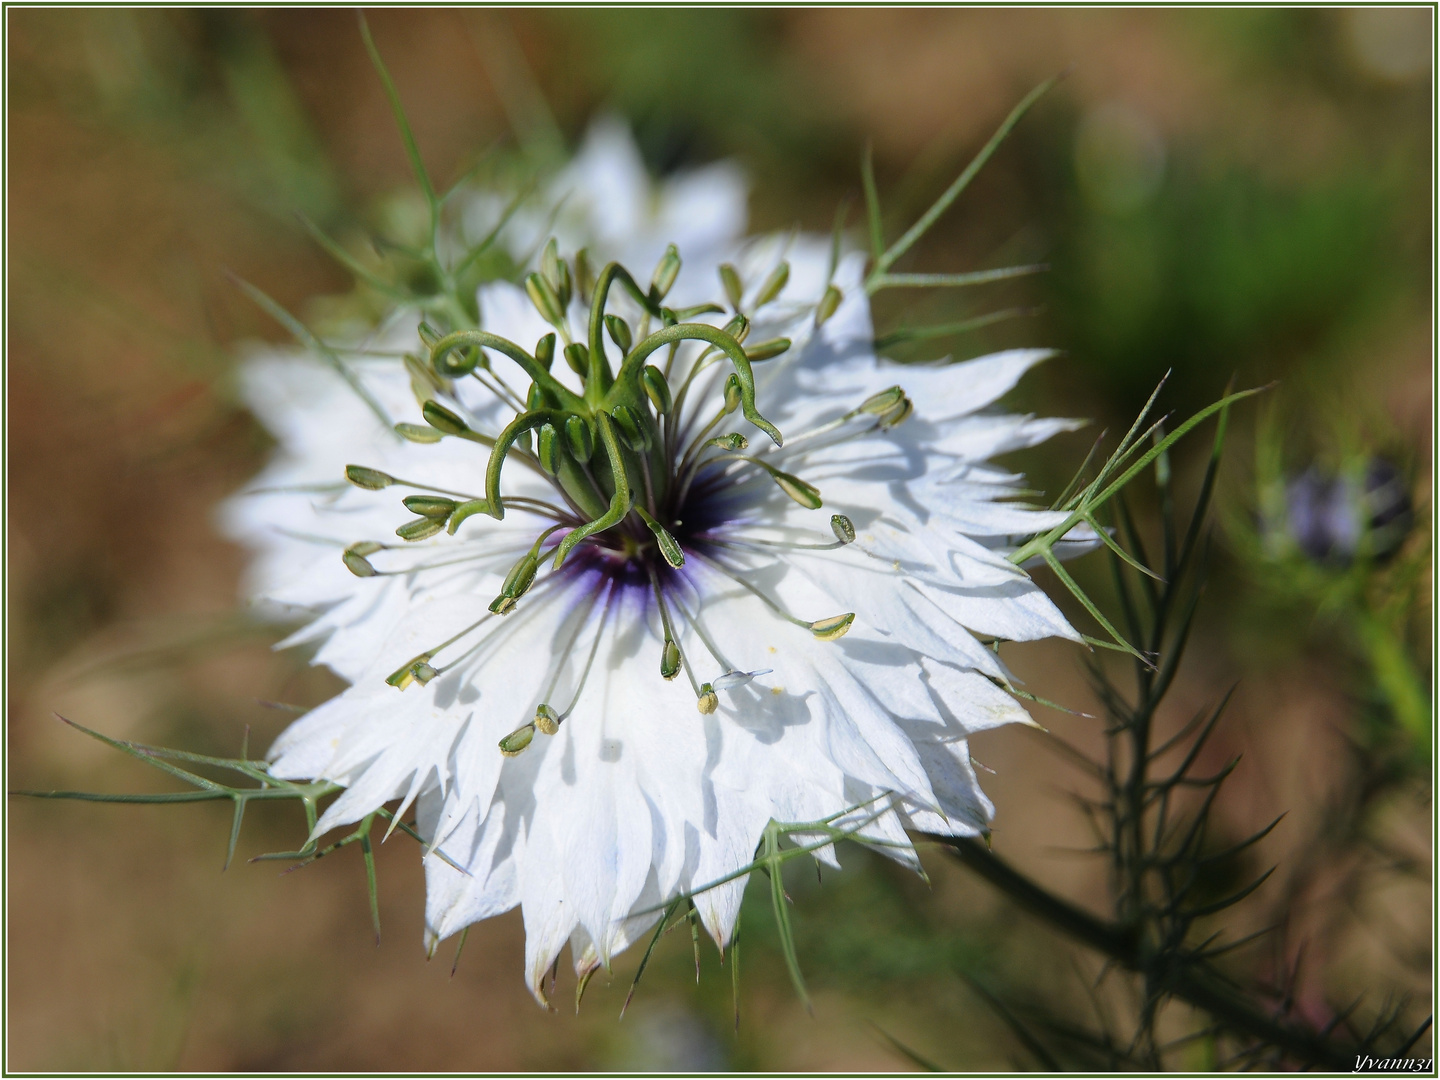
pixel 734 291
pixel 442 419
pixel 767 350
pixel 708 701
pixel 542 295
pixel 465 510
pixel 418 434
pixel 422 528
pixel 548 448
pixel 832 628
pixel 828 303
pixel 656 388
pixel 619 332
pixel 357 564
pixel 633 431
pixel 883 402
pixel 435 506
pixel 545 351
pixel 669 660
pixel 584 275
pixel 738 327
pixel 369 479
pixel 732 394
pixel 666 271
pixel 511 745
pixel 546 720
pixel 843 529
pixel 579 439
pixel 578 357
pixel 774 284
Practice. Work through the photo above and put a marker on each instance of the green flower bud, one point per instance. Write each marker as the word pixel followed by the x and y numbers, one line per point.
pixel 542 295
pixel 633 431
pixel 666 271
pixel 369 479
pixel 619 332
pixel 709 701
pixel 833 628
pixel 465 510
pixel 883 402
pixel 732 394
pixel 734 291
pixel 774 284
pixel 549 449
pixel 357 564
pixel 841 526
pixel 656 389
pixel 422 528
pixel 418 434
pixel 442 419
pixel 579 439
pixel 578 357
pixel 546 720
pixel 669 660
pixel 545 351
pixel 738 327
pixel 511 745
pixel 435 506
pixel 767 350
pixel 828 303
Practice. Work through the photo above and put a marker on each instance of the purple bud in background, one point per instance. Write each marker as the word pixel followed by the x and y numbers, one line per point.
pixel 1334 518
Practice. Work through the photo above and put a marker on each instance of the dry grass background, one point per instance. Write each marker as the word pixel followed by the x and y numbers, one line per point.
pixel 135 181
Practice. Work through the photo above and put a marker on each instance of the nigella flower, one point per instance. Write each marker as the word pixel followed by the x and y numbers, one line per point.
pixel 660 577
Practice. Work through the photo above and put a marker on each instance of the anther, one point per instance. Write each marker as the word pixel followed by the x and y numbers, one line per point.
pixel 619 331
pixel 774 284
pixel 833 628
pixel 669 660
pixel 556 273
pixel 423 672
pixel 545 351
pixel 708 701
pixel 511 745
pixel 517 583
pixel 578 357
pixel 369 479
pixel 422 528
pixel 542 295
pixel 356 563
pixel 579 439
pixel 767 350
pixel 584 277
pixel 689 313
pixel 434 506
pixel 548 449
pixel 546 720
pixel 807 495
pixel 898 415
pixel 734 291
pixel 843 529
pixel 733 441
pixel 828 303
pixel 732 394
pixel 442 419
pixel 633 431
pixel 883 402
pixel 418 433
pixel 656 388
pixel 738 327
pixel 667 544
pixel 404 675
pixel 428 334
pixel 666 271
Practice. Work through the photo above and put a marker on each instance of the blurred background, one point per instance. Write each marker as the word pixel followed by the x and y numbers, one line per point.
pixel 1236 194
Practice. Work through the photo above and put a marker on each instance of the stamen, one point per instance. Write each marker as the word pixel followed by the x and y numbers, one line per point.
pixel 667 544
pixel 829 629
pixel 521 576
pixel 807 495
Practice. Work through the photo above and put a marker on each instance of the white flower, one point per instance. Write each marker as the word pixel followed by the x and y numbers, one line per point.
pixel 768 629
